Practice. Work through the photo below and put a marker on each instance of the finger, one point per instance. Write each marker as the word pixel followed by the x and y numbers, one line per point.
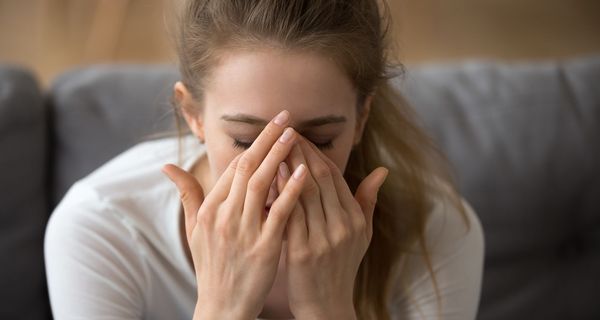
pixel 190 192
pixel 254 156
pixel 366 194
pixel 345 196
pixel 297 230
pixel 310 198
pixel 296 226
pixel 334 213
pixel 284 204
pixel 282 177
pixel 221 189
pixel 260 183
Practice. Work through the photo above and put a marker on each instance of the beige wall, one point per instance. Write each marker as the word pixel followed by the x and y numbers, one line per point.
pixel 503 29
pixel 50 36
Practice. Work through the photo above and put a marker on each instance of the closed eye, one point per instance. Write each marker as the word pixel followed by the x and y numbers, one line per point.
pixel 245 145
pixel 241 145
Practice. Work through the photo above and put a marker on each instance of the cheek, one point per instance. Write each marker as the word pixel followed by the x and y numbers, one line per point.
pixel 219 148
pixel 341 153
pixel 220 153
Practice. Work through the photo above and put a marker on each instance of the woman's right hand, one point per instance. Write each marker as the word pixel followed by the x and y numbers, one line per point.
pixel 235 247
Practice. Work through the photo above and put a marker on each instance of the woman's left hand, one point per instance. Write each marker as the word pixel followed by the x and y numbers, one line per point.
pixel 328 234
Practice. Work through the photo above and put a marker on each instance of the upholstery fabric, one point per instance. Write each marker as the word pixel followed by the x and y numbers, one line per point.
pixel 524 141
pixel 99 112
pixel 23 207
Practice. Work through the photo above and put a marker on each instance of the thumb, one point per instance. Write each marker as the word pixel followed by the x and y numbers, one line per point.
pixel 366 194
pixel 190 193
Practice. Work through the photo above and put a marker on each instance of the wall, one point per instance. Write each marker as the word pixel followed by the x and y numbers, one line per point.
pixel 50 36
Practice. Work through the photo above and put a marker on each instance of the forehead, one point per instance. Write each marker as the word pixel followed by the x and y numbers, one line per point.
pixel 264 82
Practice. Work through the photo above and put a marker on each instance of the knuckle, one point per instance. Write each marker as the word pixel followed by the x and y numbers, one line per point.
pixel 321 172
pixel 189 192
pixel 340 237
pixel 359 225
pixel 246 165
pixel 184 195
pixel 311 188
pixel 204 217
pixel 257 184
pixel 234 164
pixel 223 230
pixel 322 251
pixel 301 256
pixel 278 149
pixel 362 225
pixel 269 131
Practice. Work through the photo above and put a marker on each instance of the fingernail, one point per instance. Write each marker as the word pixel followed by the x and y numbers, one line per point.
pixel 287 135
pixel 283 170
pixel 299 172
pixel 282 118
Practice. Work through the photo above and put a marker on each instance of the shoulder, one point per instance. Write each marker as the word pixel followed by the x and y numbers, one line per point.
pixel 88 247
pixel 113 227
pixel 135 173
pixel 140 166
pixel 446 278
pixel 454 239
pixel 453 226
pixel 125 197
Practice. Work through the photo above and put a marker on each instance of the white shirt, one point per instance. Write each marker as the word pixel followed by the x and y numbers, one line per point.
pixel 113 248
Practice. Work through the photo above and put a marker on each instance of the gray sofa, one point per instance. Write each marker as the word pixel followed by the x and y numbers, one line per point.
pixel 523 138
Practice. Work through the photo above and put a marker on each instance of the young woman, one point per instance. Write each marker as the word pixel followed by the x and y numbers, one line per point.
pixel 305 190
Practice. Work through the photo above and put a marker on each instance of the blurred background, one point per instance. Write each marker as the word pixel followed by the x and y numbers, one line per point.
pixel 522 137
pixel 50 36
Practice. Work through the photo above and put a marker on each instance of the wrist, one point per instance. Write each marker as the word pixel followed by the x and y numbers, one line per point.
pixel 327 312
pixel 207 311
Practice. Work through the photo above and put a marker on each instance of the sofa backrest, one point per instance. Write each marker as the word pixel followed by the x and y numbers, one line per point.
pixel 23 200
pixel 525 142
pixel 98 112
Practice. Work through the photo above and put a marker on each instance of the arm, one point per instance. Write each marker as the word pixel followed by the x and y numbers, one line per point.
pixel 93 268
pixel 457 260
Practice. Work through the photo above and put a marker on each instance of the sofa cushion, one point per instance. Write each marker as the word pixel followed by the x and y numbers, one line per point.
pixel 100 111
pixel 23 207
pixel 524 141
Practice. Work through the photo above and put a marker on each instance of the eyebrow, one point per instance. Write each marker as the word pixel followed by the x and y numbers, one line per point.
pixel 252 120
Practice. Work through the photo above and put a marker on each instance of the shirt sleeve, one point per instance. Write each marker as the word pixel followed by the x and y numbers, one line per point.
pixel 93 268
pixel 456 251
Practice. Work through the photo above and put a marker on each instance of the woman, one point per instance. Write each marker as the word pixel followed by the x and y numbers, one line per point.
pixel 306 190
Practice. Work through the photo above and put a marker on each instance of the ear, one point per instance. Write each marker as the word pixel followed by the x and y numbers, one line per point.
pixel 189 110
pixel 361 119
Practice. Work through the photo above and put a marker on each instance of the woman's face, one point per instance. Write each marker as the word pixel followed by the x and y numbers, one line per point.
pixel 248 88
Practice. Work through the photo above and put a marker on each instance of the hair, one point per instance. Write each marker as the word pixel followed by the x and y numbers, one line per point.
pixel 354 33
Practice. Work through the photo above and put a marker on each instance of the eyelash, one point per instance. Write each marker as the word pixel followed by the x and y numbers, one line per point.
pixel 245 145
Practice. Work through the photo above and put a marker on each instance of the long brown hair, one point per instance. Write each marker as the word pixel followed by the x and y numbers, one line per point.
pixel 355 34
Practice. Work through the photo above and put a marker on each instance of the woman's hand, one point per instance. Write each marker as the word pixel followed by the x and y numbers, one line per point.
pixel 329 232
pixel 235 247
